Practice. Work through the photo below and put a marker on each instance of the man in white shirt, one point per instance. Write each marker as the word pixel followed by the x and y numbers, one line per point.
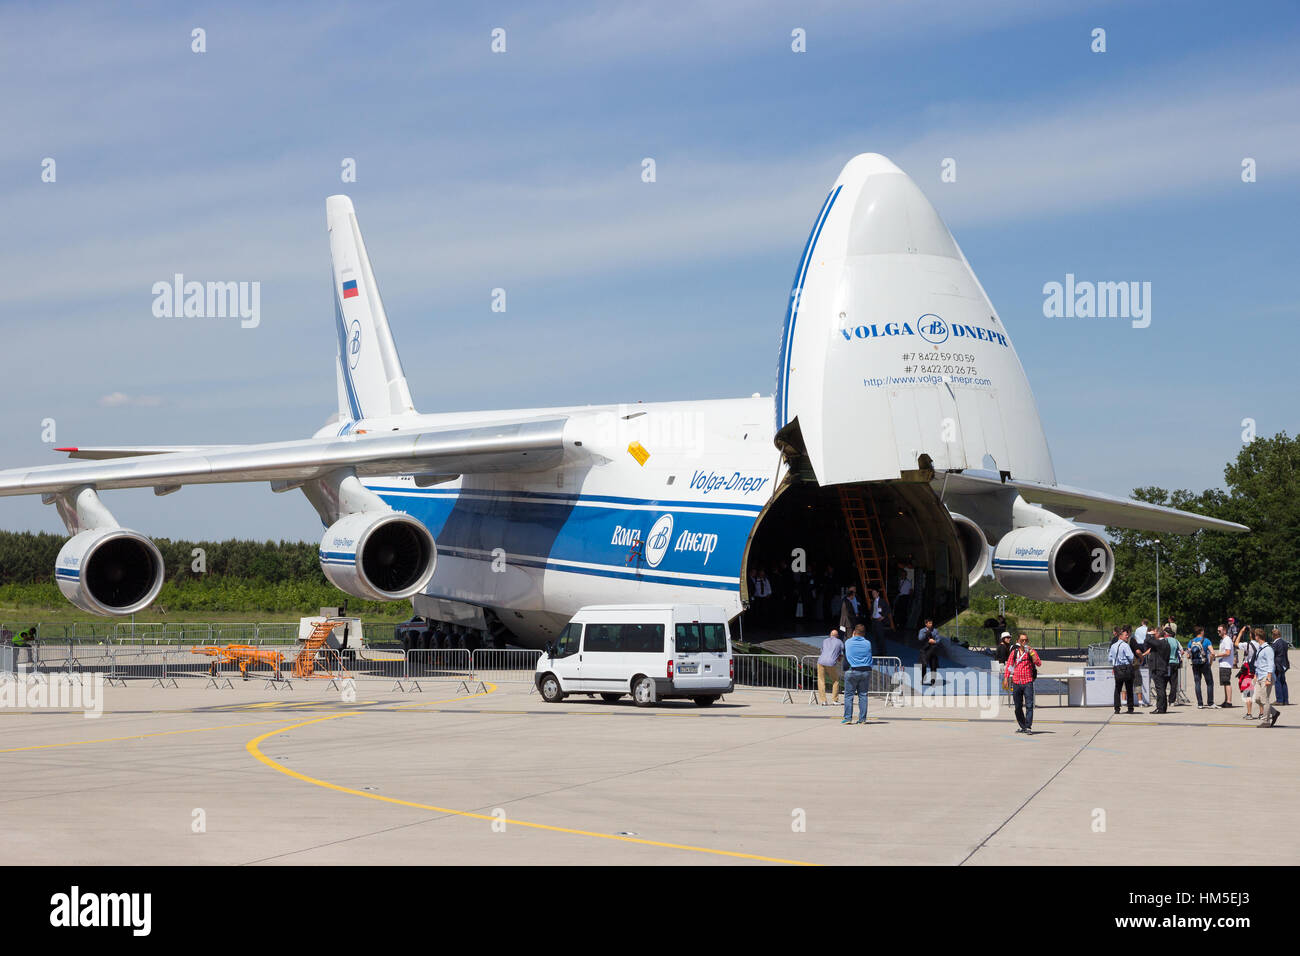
pixel 1143 682
pixel 1224 655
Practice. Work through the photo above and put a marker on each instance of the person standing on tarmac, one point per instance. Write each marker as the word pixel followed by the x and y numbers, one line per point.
pixel 1223 659
pixel 928 637
pixel 1121 659
pixel 1157 658
pixel 1281 664
pixel 1022 668
pixel 857 674
pixel 1264 668
pixel 828 666
pixel 1200 651
pixel 1175 661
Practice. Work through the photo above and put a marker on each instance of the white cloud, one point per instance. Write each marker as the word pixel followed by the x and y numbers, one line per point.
pixel 122 400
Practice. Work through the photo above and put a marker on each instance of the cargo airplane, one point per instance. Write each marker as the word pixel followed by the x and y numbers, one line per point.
pixel 902 428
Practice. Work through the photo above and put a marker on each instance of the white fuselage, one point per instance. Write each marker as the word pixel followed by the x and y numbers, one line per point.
pixel 658 507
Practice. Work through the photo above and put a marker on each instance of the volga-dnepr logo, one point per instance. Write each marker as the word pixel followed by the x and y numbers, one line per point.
pixel 657 541
pixel 932 328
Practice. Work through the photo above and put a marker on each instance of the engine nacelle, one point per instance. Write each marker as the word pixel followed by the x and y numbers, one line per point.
pixel 974 546
pixel 110 571
pixel 1054 562
pixel 378 555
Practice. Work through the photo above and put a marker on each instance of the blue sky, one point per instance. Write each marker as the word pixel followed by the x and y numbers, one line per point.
pixel 522 171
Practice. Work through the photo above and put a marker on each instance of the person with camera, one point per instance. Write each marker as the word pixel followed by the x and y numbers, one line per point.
pixel 1021 671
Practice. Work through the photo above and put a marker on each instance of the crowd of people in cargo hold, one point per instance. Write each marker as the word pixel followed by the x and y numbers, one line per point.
pixel 784 593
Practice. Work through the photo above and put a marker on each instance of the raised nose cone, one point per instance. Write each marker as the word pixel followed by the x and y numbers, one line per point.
pixel 893 360
pixel 890 213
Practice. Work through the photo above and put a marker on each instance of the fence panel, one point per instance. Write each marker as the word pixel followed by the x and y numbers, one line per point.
pixel 505 665
pixel 453 663
pixel 779 672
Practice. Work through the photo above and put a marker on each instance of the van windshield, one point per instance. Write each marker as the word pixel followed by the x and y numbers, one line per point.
pixel 697 638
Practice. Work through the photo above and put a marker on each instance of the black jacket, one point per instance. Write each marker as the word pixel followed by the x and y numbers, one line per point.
pixel 1157 655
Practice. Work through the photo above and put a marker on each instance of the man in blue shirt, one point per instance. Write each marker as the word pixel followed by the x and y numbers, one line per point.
pixel 857 674
pixel 1121 659
pixel 1201 652
pixel 1263 690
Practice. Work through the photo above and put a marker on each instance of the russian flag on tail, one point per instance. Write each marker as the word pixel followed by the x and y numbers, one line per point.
pixel 350 289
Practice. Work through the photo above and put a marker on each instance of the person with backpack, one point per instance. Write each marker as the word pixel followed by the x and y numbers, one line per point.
pixel 1200 651
pixel 1021 671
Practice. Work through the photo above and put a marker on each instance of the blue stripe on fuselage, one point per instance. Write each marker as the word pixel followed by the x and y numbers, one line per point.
pixel 540 530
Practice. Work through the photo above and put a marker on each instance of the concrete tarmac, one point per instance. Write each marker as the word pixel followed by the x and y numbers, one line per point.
pixel 253 775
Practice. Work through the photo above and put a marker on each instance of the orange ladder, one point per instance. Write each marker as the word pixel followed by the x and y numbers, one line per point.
pixel 869 553
pixel 304 665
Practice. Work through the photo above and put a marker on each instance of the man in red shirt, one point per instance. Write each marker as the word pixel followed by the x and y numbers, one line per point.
pixel 1022 667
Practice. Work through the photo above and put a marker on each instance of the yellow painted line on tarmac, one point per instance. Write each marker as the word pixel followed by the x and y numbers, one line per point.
pixel 254 748
pixel 160 733
pixel 491 689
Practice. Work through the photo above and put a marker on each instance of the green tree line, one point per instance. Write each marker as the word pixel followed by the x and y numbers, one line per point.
pixel 1207 575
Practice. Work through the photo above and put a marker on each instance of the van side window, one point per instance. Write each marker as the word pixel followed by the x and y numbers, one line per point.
pixel 567 642
pixel 625 639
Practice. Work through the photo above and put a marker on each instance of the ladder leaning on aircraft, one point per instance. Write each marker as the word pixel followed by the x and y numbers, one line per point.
pixel 509 521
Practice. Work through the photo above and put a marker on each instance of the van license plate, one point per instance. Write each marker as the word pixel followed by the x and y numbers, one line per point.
pixel 688 668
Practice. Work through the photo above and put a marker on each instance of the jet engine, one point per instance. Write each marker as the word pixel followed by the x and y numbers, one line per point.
pixel 109 571
pixel 1054 562
pixel 974 546
pixel 379 556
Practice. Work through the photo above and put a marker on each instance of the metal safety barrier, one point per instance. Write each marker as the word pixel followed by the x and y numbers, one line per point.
pixel 504 666
pixel 885 682
pixel 777 672
pixel 435 664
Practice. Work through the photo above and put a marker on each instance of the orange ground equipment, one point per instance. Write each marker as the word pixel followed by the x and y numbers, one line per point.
pixel 243 655
pixel 304 665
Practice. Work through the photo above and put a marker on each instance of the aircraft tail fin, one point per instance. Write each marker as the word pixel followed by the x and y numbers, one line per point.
pixel 373 384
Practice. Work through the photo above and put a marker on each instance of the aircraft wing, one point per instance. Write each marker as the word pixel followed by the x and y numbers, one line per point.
pixel 501 447
pixel 1089 507
pixel 100 452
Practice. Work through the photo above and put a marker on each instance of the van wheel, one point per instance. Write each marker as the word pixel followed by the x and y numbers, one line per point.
pixel 550 689
pixel 610 698
pixel 643 692
pixel 704 701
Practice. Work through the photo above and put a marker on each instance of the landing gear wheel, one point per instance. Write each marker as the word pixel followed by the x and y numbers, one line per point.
pixel 643 692
pixel 610 698
pixel 550 689
pixel 704 701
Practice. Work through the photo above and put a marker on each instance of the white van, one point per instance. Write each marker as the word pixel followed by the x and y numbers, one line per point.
pixel 651 651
